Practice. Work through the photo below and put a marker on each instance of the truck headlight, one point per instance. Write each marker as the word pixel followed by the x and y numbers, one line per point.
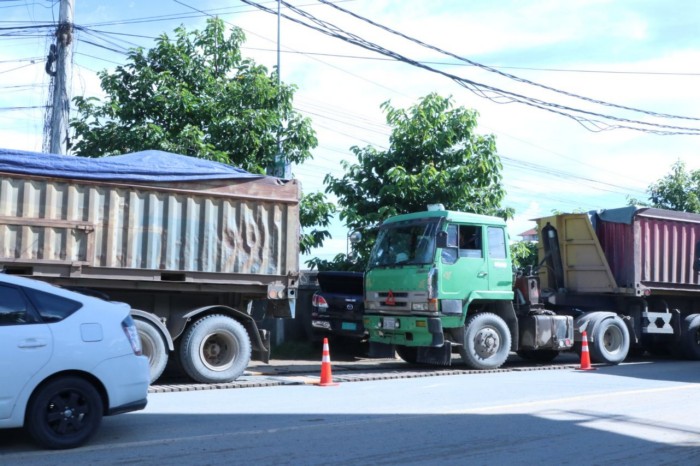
pixel 419 307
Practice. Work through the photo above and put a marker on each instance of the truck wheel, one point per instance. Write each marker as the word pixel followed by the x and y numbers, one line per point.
pixel 610 341
pixel 538 355
pixel 486 341
pixel 690 337
pixel 64 413
pixel 407 353
pixel 153 347
pixel 215 349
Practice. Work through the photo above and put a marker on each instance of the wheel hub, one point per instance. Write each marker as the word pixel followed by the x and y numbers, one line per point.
pixel 218 351
pixel 487 343
pixel 212 350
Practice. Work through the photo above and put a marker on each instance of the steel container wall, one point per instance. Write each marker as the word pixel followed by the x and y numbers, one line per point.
pixel 234 226
pixel 657 250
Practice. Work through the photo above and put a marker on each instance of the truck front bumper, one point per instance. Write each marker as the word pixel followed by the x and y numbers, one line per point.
pixel 405 330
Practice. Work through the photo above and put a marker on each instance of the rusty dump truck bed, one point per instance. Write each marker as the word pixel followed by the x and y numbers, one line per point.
pixel 629 250
pixel 149 234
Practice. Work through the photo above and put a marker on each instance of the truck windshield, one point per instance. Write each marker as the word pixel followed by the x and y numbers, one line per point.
pixel 400 244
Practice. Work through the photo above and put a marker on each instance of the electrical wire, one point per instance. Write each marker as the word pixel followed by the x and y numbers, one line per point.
pixel 587 119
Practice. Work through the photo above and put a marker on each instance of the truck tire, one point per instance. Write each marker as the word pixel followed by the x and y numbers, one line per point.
pixel 690 337
pixel 64 413
pixel 407 353
pixel 486 341
pixel 215 349
pixel 610 341
pixel 153 346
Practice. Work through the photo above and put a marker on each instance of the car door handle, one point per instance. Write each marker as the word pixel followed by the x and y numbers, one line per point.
pixel 32 343
pixel 482 274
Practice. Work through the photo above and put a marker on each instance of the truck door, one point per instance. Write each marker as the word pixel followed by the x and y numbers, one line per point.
pixel 464 265
pixel 500 274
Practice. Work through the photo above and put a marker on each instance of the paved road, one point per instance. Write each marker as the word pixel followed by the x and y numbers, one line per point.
pixel 641 413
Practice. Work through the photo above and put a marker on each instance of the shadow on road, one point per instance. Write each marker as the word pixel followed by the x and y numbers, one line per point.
pixel 550 436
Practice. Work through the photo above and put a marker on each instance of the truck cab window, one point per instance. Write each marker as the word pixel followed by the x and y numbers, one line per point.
pixel 449 253
pixel 462 241
pixel 497 243
pixel 470 241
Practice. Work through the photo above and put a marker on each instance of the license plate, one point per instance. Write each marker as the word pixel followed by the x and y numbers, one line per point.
pixel 388 322
pixel 348 326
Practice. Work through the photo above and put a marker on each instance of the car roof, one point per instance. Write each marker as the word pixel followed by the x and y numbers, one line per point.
pixel 41 286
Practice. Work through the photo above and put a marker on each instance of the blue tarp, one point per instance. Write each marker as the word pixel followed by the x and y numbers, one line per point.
pixel 150 165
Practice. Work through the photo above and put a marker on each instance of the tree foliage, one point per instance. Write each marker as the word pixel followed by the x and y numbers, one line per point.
pixel 524 254
pixel 678 190
pixel 196 95
pixel 435 156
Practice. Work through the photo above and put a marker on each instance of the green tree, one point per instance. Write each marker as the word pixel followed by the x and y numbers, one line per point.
pixel 196 95
pixel 678 190
pixel 435 156
pixel 523 253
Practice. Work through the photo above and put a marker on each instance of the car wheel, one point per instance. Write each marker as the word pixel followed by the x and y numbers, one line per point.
pixel 153 346
pixel 64 413
pixel 215 349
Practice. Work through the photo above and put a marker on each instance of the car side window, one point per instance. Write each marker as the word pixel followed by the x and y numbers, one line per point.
pixel 13 307
pixel 52 308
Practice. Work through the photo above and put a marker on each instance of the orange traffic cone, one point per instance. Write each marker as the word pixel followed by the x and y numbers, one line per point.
pixel 585 357
pixel 326 376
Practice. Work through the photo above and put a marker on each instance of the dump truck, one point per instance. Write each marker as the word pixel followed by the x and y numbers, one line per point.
pixel 194 246
pixel 440 282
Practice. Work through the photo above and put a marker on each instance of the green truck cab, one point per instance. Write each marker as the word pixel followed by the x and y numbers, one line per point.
pixel 439 282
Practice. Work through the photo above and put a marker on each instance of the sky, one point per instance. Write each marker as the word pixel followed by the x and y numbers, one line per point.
pixel 621 56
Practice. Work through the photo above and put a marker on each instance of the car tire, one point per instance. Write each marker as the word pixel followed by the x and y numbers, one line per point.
pixel 64 413
pixel 153 347
pixel 215 349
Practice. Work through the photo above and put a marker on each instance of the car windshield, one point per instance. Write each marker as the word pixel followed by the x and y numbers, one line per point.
pixel 401 243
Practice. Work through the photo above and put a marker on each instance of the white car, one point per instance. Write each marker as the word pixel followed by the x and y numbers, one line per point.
pixel 66 360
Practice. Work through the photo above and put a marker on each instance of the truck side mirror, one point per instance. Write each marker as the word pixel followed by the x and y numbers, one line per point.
pixel 441 239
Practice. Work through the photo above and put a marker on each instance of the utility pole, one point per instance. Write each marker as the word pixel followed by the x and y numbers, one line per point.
pixel 62 54
pixel 280 167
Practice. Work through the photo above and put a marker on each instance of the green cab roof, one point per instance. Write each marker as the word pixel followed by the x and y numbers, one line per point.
pixel 450 215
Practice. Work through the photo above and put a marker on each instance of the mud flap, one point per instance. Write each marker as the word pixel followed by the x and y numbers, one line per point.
pixel 381 350
pixel 436 356
pixel 262 353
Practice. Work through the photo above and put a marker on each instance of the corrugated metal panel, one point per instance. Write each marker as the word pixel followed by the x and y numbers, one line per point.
pixel 617 241
pixel 655 251
pixel 666 251
pixel 243 227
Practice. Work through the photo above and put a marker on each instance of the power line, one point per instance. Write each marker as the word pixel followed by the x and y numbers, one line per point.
pixel 588 119
pixel 506 75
